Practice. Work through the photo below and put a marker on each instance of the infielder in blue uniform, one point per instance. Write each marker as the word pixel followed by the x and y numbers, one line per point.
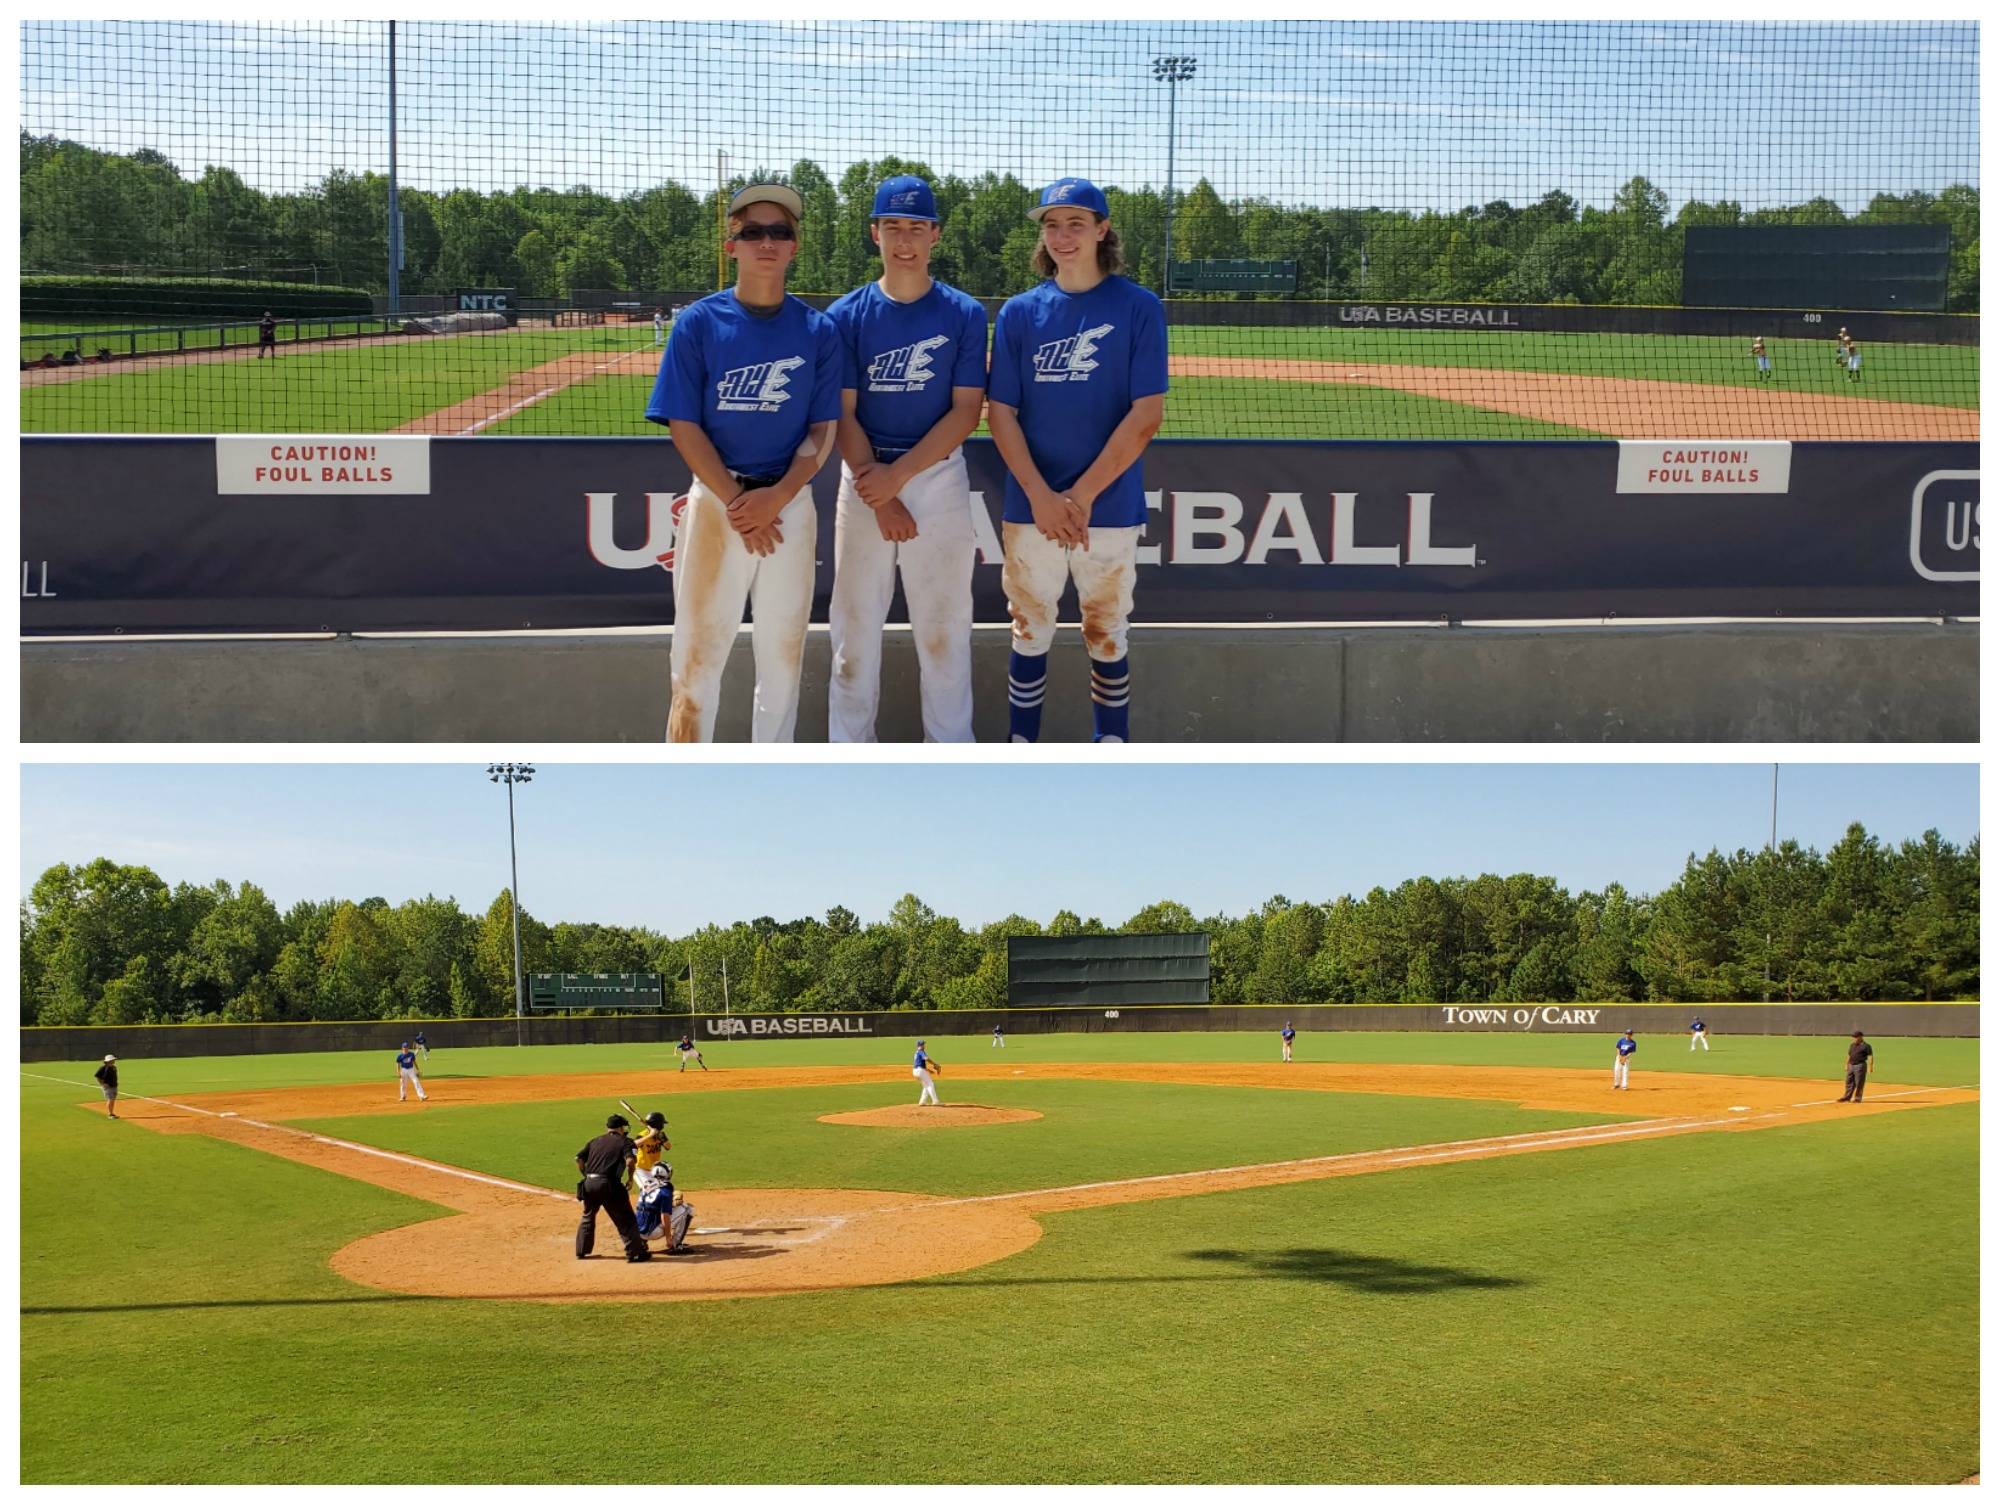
pixel 1287 1034
pixel 1077 391
pixel 1698 1034
pixel 914 354
pixel 750 387
pixel 407 1075
pixel 1621 1069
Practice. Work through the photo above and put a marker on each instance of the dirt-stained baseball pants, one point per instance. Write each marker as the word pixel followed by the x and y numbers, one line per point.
pixel 714 575
pixel 936 567
pixel 1037 570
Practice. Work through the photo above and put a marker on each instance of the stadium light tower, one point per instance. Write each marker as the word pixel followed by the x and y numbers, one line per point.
pixel 511 774
pixel 1173 72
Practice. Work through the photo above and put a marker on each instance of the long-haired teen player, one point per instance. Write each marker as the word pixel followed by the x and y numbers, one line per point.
pixel 750 387
pixel 915 381
pixel 1077 391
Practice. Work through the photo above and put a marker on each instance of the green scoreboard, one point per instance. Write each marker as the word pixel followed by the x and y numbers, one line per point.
pixel 595 990
pixel 1236 277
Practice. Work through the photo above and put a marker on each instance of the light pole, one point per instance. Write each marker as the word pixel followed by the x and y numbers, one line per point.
pixel 721 219
pixel 1171 71
pixel 1771 879
pixel 511 774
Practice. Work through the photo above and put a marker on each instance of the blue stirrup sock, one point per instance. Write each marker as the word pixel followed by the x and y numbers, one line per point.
pixel 1111 700
pixel 1027 678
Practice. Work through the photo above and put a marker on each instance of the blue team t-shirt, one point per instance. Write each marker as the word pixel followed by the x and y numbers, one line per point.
pixel 406 1059
pixel 920 1057
pixel 1626 1047
pixel 901 360
pixel 755 383
pixel 1697 1025
pixel 1072 364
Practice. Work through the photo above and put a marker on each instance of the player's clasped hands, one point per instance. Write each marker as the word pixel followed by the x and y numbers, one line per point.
pixel 877 484
pixel 1061 519
pixel 894 519
pixel 754 516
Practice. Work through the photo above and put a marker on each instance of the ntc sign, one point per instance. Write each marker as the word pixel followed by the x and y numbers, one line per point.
pixel 1519 1018
pixel 1944 525
pixel 1187 527
pixel 756 1025
pixel 486 300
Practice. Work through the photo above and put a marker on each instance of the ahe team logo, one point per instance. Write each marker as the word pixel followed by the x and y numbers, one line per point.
pixel 756 389
pixel 908 369
pixel 1070 359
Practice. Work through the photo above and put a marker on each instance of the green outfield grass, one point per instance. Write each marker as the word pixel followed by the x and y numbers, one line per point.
pixel 1917 1061
pixel 380 385
pixel 337 388
pixel 1941 375
pixel 1790 1305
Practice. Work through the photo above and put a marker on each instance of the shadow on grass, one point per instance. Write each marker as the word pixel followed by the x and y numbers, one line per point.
pixel 1374 1273
pixel 1371 1273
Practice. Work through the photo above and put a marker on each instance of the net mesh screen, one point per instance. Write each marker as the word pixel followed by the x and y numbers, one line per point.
pixel 1435 230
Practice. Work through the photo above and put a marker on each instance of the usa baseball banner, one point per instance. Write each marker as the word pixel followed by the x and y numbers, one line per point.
pixel 123 535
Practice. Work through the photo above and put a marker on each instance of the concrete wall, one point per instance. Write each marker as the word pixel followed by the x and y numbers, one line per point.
pixel 141 1041
pixel 1778 682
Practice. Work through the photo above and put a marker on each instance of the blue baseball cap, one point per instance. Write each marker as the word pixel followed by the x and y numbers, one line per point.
pixel 1071 193
pixel 905 197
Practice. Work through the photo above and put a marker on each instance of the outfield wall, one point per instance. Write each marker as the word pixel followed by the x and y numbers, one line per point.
pixel 139 1041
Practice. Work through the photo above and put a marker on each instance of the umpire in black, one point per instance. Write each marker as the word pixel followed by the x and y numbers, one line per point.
pixel 604 1162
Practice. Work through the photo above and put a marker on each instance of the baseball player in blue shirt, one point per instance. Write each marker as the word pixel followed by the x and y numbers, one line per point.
pixel 406 1075
pixel 1077 391
pixel 1698 1034
pixel 1621 1069
pixel 914 358
pixel 750 388
pixel 1286 1034
pixel 921 1070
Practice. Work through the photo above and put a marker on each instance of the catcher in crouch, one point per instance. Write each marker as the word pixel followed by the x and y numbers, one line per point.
pixel 660 1219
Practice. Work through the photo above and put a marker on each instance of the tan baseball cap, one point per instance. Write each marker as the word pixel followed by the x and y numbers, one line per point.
pixel 769 193
pixel 111 1058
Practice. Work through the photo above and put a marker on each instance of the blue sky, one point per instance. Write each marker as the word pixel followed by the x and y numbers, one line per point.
pixel 676 847
pixel 1404 114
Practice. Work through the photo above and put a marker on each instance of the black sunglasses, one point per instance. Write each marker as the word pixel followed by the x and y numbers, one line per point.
pixel 765 232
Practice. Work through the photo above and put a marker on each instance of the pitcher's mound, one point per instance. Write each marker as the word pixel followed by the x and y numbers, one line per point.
pixel 935 1116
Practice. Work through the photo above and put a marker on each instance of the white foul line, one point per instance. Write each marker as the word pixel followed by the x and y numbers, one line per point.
pixel 345 1144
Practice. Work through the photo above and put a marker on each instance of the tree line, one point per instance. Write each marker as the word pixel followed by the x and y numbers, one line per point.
pixel 85 210
pixel 111 943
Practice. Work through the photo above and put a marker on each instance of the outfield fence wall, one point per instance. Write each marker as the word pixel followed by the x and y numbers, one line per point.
pixel 86 1043
pixel 1256 312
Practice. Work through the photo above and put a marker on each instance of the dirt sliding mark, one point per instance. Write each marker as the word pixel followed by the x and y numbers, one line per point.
pixel 1623 407
pixel 512 1241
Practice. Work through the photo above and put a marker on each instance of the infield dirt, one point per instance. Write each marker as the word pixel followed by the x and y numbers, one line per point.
pixel 511 1241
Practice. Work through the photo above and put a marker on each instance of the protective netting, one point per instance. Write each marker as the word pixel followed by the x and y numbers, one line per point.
pixel 1380 230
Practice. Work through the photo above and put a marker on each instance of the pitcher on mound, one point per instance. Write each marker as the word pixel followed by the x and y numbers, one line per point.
pixel 1077 391
pixel 750 388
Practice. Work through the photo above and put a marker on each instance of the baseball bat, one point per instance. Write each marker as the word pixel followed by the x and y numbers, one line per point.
pixel 630 1109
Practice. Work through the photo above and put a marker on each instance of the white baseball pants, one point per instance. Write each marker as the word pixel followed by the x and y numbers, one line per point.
pixel 1700 1035
pixel 1037 570
pixel 714 575
pixel 936 567
pixel 1621 1073
pixel 407 1078
pixel 930 1087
